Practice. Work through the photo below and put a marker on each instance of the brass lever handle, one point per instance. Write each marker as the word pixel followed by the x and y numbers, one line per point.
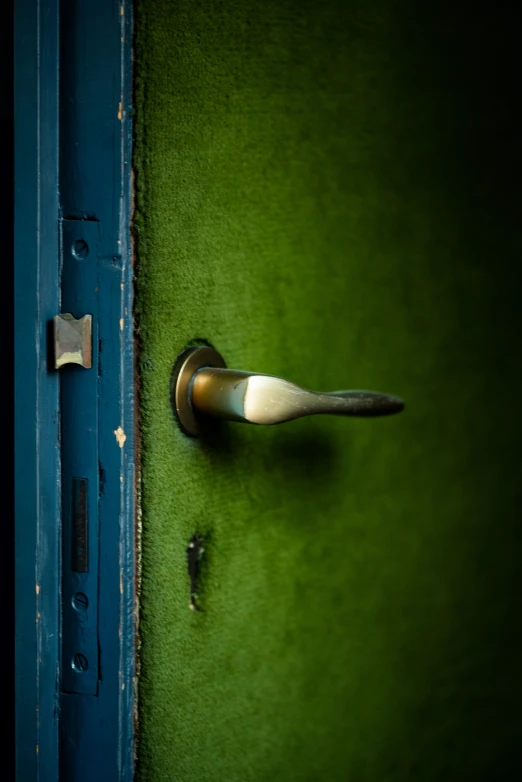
pixel 203 386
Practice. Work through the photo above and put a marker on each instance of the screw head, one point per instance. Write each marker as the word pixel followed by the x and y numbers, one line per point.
pixel 80 601
pixel 80 662
pixel 80 248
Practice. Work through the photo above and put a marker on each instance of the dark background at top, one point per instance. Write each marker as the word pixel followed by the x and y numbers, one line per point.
pixel 7 233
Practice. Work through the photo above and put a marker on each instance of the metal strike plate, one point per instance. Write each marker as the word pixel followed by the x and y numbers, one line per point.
pixel 78 343
pixel 72 340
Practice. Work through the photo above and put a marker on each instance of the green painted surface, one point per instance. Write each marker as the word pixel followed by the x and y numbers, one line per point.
pixel 325 192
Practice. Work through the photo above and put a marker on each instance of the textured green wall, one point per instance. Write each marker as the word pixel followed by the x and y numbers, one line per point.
pixel 326 191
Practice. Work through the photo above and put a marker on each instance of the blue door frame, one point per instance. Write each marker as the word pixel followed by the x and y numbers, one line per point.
pixel 73 183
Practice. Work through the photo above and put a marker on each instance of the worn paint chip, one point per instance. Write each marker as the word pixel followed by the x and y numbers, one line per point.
pixel 38 589
pixel 122 323
pixel 120 436
pixel 120 110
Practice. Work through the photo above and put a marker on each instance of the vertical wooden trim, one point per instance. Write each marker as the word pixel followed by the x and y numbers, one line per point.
pixel 96 730
pixel 37 475
pixel 73 149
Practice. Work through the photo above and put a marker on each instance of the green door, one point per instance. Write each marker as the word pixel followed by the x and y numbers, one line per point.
pixel 324 194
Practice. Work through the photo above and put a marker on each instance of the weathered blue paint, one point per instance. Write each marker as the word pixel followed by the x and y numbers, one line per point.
pixel 37 496
pixel 96 731
pixel 74 736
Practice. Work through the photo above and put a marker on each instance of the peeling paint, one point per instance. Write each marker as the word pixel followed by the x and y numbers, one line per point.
pixel 121 582
pixel 120 436
pixel 122 323
pixel 120 111
pixel 38 589
pixel 123 685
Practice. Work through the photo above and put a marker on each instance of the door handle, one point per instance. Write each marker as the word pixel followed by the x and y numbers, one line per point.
pixel 202 386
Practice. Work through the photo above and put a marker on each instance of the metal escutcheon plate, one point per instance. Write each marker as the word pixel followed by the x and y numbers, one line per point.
pixel 186 366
